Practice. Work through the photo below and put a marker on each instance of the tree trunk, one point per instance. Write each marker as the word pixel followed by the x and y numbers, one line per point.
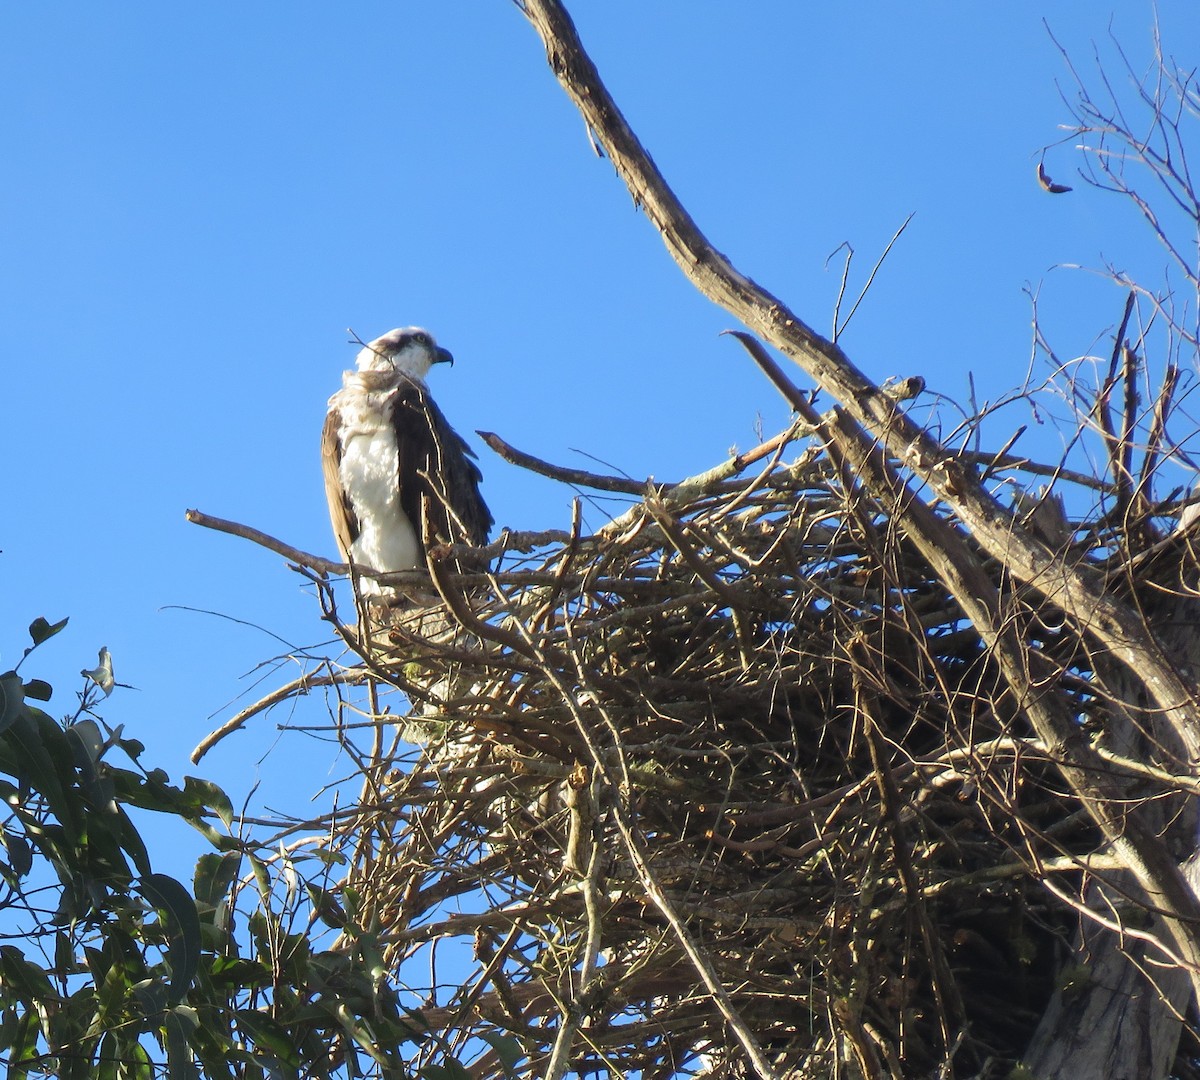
pixel 1120 1005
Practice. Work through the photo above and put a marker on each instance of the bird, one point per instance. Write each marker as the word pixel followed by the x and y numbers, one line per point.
pixel 397 475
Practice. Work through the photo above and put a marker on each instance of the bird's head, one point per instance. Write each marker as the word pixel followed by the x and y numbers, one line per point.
pixel 408 350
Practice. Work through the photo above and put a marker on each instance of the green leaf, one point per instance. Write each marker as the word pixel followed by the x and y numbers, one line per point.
pixel 12 699
pixel 20 853
pixel 111 994
pixel 137 1064
pixel 244 974
pixel 208 796
pixel 78 1064
pixel 122 1059
pixel 183 929
pixel 221 841
pixel 133 747
pixel 70 1025
pixel 327 909
pixel 330 967
pixel 508 1050
pixel 24 978
pixel 193 802
pixel 151 996
pixel 130 840
pixel 270 1035
pixel 34 750
pixel 88 744
pixel 87 740
pixel 149 793
pixel 451 1070
pixel 24 1044
pixel 64 955
pixel 262 876
pixel 291 958
pixel 179 1023
pixel 215 874
pixel 9 1025
pixel 40 630
pixel 39 690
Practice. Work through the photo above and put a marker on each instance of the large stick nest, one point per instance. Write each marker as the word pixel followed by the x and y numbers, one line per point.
pixel 735 765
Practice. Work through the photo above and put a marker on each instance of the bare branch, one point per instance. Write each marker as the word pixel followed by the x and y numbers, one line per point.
pixel 248 532
pixel 1071 586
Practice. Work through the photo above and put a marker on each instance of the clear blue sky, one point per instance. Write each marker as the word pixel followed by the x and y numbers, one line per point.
pixel 197 200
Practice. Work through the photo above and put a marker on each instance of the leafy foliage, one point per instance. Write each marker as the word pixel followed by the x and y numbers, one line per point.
pixel 115 970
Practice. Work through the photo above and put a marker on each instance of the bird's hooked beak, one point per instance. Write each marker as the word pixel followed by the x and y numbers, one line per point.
pixel 443 356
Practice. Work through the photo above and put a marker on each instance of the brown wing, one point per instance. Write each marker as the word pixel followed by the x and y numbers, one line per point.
pixel 439 480
pixel 341 514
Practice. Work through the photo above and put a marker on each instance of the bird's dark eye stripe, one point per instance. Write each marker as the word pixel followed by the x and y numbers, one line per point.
pixel 403 341
pixel 419 338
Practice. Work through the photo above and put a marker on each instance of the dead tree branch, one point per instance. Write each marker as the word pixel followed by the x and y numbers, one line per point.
pixel 1072 587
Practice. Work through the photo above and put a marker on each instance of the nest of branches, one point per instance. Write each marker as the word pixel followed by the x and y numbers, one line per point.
pixel 731 782
pixel 821 763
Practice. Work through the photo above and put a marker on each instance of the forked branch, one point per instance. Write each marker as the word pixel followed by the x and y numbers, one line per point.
pixel 870 423
pixel 1076 589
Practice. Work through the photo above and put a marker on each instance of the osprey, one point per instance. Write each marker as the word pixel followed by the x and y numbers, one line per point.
pixel 396 473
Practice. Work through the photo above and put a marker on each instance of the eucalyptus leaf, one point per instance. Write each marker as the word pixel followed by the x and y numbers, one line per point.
pixel 12 699
pixel 129 839
pixel 179 1023
pixel 208 795
pixel 239 972
pixel 269 1035
pixel 182 926
pixel 64 953
pixel 20 853
pixel 450 1070
pixel 151 996
pixel 34 750
pixel 39 690
pixel 9 1025
pixel 214 876
pixel 41 629
pixel 85 736
pixel 508 1050
pixel 133 747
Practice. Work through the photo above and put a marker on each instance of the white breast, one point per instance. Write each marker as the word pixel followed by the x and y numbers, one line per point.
pixel 370 477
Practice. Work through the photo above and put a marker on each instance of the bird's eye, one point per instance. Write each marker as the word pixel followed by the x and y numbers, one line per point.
pixel 421 339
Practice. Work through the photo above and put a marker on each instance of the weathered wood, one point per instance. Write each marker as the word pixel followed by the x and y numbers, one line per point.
pixel 870 423
pixel 1119 1014
pixel 1072 587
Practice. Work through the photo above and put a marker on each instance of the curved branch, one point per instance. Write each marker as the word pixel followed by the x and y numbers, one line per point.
pixel 581 478
pixel 578 477
pixel 1135 840
pixel 1077 590
pixel 295 688
pixel 248 532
